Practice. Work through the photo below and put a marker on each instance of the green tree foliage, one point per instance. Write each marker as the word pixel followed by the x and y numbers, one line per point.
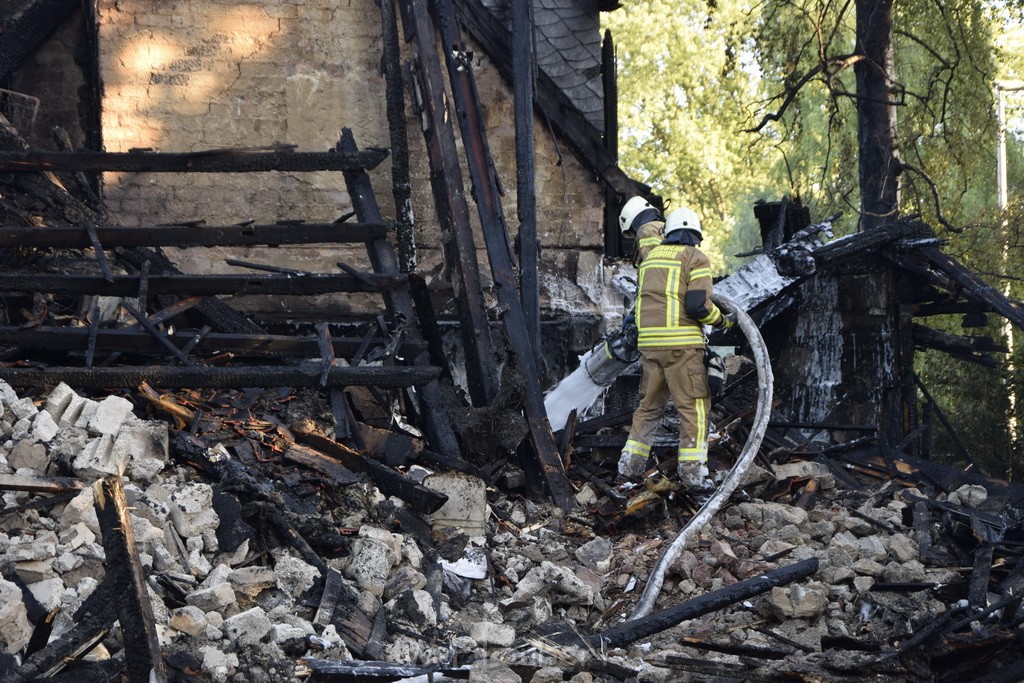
pixel 686 79
pixel 725 101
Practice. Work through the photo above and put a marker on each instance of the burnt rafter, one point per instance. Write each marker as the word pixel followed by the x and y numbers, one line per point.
pixel 206 285
pixel 137 341
pixel 307 374
pixel 450 200
pixel 977 349
pixel 488 200
pixel 195 236
pixel 210 161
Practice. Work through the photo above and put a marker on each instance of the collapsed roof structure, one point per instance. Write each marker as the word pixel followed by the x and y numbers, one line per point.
pixel 321 440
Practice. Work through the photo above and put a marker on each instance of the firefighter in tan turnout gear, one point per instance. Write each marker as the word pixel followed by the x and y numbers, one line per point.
pixel 673 301
pixel 640 219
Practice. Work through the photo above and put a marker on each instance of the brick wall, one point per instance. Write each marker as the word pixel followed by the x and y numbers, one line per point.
pixel 191 75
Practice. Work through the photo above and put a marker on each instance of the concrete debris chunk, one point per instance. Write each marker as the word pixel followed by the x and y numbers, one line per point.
pixel 44 428
pixel 28 455
pixel 371 562
pixel 466 507
pixel 144 446
pixel 970 495
pixel 191 508
pixel 248 627
pixel 23 409
pixel 562 584
pixel 492 671
pixel 98 459
pixel 15 629
pixel 486 633
pixel 800 601
pixel 188 619
pixel 294 576
pixel 212 599
pixel 596 554
pixel 109 415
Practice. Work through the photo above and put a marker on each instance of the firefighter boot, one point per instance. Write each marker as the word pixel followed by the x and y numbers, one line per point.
pixel 694 475
pixel 631 465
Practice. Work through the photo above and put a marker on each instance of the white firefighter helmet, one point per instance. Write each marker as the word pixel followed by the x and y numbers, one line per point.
pixel 683 219
pixel 630 210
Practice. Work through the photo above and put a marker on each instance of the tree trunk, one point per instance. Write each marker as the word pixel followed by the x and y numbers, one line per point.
pixel 876 115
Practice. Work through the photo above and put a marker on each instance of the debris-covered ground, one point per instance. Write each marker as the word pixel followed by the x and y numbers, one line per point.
pixel 264 558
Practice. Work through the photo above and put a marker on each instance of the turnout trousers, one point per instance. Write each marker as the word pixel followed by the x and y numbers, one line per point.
pixel 678 372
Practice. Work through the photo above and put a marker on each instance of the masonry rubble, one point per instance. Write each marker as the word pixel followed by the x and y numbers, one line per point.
pixel 474 596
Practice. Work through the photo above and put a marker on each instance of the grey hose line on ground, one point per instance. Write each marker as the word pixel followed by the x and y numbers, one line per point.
pixel 735 476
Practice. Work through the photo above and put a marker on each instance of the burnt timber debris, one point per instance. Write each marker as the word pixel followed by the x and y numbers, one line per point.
pixel 189 494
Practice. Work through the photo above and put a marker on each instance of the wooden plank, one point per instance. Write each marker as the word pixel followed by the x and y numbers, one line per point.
pixel 420 498
pixel 453 210
pixel 18 482
pixel 303 375
pixel 435 422
pixel 134 610
pixel 974 286
pixel 136 341
pixel 315 460
pixel 524 63
pixel 631 631
pixel 977 593
pixel 210 161
pixel 492 219
pixel 194 236
pixel 206 285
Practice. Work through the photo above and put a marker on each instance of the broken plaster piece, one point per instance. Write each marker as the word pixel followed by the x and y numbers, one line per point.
pixel 472 564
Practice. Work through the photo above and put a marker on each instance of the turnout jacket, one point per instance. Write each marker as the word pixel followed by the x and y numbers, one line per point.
pixel 674 298
pixel 648 237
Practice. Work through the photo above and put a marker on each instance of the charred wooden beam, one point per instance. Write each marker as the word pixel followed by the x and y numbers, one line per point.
pixel 134 609
pixel 719 670
pixel 973 348
pixel 136 341
pixel 523 69
pixel 452 208
pixel 945 421
pixel 977 592
pixel 950 308
pixel 218 314
pixel 19 482
pixel 211 161
pixel 391 482
pixel 974 286
pixel 391 65
pixel 194 236
pixel 869 239
pixel 757 651
pixel 363 671
pixel 631 631
pixel 204 285
pixel 303 375
pixel 337 473
pixel 492 220
pixel 400 303
pixel 29 29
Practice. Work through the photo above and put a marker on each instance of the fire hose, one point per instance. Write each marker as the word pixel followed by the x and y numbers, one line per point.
pixel 736 474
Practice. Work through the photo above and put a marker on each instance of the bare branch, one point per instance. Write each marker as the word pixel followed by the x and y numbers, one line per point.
pixel 838 63
pixel 935 196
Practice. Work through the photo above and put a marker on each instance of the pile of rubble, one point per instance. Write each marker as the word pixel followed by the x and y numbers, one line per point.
pixel 241 587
